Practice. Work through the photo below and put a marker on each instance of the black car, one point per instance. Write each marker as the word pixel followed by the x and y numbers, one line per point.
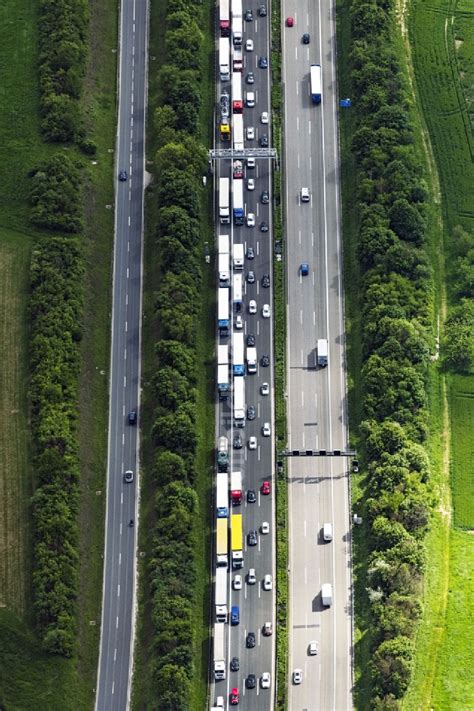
pixel 263 140
pixel 306 38
pixel 251 277
pixel 123 175
pixel 265 361
pixel 263 227
pixel 264 197
pixel 252 538
pixel 262 11
pixel 251 496
pixel 251 681
pixel 250 79
pixel 238 307
pixel 266 281
pixel 132 417
pixel 251 640
pixel 234 664
pixel 263 63
pixel 251 340
pixel 248 15
pixel 250 254
pixel 237 441
pixel 251 412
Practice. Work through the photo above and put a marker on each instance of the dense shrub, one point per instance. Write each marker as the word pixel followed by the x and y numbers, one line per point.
pixel 56 195
pixel 56 318
pixel 179 162
pixel 63 27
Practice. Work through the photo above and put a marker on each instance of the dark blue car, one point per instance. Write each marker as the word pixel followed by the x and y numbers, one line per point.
pixel 234 615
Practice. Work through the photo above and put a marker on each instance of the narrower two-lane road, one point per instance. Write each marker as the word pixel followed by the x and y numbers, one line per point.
pixel 117 630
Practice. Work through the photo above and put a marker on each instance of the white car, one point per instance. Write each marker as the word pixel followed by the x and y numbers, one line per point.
pixel 305 196
pixel 237 583
pixel 266 429
pixel 238 322
pixel 252 442
pixel 264 389
pixel 250 133
pixel 250 219
pixel 250 162
pixel 267 582
pixel 266 311
pixel 265 527
pixel 249 45
pixel 252 306
pixel 250 184
pixel 297 676
pixel 312 649
pixel 264 117
pixel 251 577
pixel 220 702
pixel 265 680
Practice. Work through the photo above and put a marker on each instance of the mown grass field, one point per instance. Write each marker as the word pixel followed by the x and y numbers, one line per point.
pixel 29 678
pixel 442 43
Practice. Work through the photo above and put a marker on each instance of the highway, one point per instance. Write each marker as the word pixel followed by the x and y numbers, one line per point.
pixel 119 584
pixel 316 396
pixel 256 605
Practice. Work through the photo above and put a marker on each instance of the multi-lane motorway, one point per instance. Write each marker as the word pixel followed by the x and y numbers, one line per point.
pixel 116 642
pixel 256 605
pixel 316 397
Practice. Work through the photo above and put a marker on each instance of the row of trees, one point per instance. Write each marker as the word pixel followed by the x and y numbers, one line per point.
pixel 63 32
pixel 56 195
pixel 180 162
pixel 397 306
pixel 56 308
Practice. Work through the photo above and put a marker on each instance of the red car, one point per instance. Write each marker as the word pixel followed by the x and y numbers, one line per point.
pixel 234 697
pixel 266 487
pixel 290 22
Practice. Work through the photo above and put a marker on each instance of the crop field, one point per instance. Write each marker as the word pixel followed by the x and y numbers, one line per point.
pixel 442 42
pixel 462 455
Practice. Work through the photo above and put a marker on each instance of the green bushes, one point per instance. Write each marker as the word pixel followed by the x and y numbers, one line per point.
pixel 56 318
pixel 63 26
pixel 179 164
pixel 396 315
pixel 56 195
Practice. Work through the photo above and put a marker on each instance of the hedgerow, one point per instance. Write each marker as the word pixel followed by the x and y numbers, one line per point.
pixel 179 164
pixel 56 318
pixel 63 32
pixel 397 338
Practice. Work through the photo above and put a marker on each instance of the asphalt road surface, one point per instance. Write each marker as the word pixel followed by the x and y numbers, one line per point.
pixel 256 605
pixel 116 643
pixel 316 397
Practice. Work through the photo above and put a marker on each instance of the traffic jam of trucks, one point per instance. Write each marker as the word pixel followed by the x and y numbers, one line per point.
pixel 235 359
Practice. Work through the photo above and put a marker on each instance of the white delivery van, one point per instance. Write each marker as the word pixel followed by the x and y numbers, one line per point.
pixel 326 594
pixel 327 531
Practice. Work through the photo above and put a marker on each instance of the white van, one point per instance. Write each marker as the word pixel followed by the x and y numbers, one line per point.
pixel 326 594
pixel 327 531
pixel 250 99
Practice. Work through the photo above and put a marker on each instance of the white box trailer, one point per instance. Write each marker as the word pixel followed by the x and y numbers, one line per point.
pixel 224 59
pixel 224 269
pixel 238 365
pixel 224 201
pixel 219 650
pixel 238 131
pixel 223 244
pixel 237 288
pixel 221 594
pixel 222 494
pixel 238 254
pixel 239 402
